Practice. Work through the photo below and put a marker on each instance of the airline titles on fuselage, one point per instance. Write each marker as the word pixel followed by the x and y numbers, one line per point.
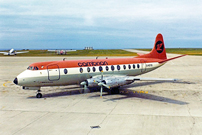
pixel 85 64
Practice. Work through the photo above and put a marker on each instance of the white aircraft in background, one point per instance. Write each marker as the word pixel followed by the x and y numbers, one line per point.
pixel 61 52
pixel 12 52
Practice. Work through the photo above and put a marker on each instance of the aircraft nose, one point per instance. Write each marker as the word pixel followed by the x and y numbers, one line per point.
pixel 15 81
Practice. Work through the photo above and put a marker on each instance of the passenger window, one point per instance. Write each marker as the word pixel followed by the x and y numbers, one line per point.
pixel 129 66
pixel 94 69
pixel 81 70
pixel 133 66
pixel 124 67
pixel 65 71
pixel 138 66
pixel 100 68
pixel 107 68
pixel 118 67
pixel 112 68
pixel 88 69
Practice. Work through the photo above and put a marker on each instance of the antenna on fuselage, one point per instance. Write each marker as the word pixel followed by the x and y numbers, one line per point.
pixel 64 59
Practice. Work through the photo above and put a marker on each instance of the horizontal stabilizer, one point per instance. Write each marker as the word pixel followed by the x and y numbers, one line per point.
pixel 149 79
pixel 172 58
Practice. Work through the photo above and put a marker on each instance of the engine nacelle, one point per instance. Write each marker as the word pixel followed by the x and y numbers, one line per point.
pixel 91 82
pixel 116 81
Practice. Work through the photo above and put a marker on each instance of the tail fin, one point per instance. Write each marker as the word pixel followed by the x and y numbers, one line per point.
pixel 158 50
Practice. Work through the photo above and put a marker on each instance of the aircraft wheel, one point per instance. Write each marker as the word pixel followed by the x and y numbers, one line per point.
pixel 38 95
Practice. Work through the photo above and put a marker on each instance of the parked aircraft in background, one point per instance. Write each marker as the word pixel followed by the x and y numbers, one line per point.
pixel 108 73
pixel 13 52
pixel 61 52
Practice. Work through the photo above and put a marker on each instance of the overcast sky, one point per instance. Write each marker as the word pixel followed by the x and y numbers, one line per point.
pixel 103 24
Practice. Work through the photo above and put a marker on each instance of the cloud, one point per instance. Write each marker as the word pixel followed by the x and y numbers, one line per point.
pixel 104 9
pixel 36 20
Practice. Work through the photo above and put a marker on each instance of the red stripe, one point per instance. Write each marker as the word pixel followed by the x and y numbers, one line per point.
pixel 93 62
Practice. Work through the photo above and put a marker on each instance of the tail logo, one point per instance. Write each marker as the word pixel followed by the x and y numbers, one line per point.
pixel 159 46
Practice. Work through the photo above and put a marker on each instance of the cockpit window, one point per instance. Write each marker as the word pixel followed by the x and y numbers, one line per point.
pixel 33 68
pixel 36 68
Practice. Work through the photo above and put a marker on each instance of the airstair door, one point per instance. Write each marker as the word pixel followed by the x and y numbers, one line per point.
pixel 53 72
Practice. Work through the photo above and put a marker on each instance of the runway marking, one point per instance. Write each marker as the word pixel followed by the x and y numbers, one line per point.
pixel 4 84
pixel 141 91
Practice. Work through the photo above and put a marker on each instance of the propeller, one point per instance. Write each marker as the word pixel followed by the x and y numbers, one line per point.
pixel 84 83
pixel 101 84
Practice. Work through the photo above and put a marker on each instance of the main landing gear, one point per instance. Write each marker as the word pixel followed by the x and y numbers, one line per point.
pixel 115 90
pixel 38 95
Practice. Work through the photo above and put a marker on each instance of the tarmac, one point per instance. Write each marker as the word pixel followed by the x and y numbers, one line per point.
pixel 142 108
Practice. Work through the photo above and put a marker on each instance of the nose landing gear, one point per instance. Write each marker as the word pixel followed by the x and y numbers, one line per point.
pixel 38 95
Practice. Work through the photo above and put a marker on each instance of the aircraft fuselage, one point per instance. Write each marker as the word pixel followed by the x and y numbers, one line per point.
pixel 73 72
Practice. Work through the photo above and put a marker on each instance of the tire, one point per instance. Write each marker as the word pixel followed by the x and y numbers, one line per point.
pixel 38 95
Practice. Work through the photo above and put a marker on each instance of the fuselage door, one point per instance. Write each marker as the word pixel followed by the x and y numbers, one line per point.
pixel 53 72
pixel 143 66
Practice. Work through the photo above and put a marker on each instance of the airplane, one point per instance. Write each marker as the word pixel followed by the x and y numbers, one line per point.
pixel 104 73
pixel 61 52
pixel 12 52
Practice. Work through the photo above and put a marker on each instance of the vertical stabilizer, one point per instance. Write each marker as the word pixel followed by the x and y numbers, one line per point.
pixel 158 50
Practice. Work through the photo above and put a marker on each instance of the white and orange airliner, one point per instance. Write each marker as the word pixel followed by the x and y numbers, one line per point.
pixel 108 73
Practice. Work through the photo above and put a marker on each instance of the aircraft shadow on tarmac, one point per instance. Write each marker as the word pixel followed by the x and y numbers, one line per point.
pixel 131 94
pixel 123 91
pixel 144 94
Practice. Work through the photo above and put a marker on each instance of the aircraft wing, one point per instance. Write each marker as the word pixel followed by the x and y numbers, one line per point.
pixel 3 52
pixel 52 50
pixel 59 50
pixel 115 81
pixel 149 79
pixel 21 52
pixel 70 50
pixel 118 80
